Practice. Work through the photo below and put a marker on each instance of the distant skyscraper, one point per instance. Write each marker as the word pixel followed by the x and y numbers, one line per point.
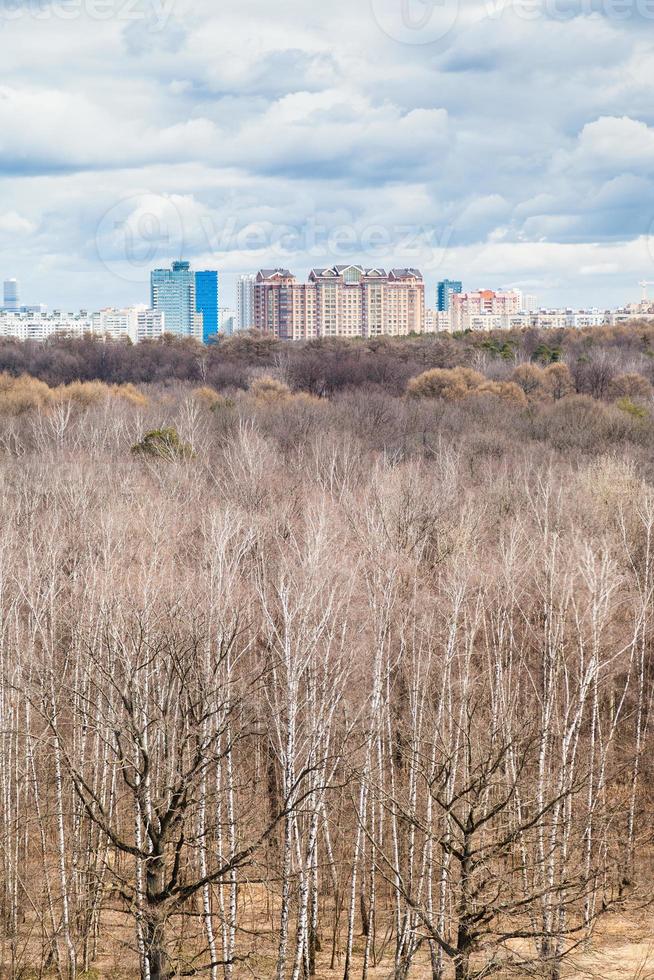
pixel 206 303
pixel 446 289
pixel 227 321
pixel 173 292
pixel 11 301
pixel 245 318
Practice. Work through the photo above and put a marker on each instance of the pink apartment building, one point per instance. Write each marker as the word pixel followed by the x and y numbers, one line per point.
pixel 339 301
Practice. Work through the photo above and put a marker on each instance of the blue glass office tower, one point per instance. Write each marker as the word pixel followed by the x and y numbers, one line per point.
pixel 173 292
pixel 206 303
pixel 445 289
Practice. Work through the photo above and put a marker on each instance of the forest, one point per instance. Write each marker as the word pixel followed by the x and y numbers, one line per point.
pixel 331 660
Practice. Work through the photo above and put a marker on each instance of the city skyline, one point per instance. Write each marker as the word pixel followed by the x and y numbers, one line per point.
pixel 136 293
pixel 208 297
pixel 489 142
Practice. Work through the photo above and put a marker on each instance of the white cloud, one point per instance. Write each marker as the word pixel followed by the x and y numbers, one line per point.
pixel 13 223
pixel 615 144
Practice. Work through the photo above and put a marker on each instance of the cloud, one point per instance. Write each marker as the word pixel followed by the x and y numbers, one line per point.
pixel 13 223
pixel 508 149
pixel 615 145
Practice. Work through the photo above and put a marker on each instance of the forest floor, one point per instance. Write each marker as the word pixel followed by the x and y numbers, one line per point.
pixel 623 949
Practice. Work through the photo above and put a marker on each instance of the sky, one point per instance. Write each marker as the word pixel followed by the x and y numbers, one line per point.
pixel 507 143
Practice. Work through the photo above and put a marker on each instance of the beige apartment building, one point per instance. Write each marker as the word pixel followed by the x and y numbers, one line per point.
pixel 484 309
pixel 339 301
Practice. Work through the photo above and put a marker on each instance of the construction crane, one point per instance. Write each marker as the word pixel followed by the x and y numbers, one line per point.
pixel 643 286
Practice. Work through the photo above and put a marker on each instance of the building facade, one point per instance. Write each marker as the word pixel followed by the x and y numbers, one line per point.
pixel 245 302
pixel 206 303
pixel 444 292
pixel 135 323
pixel 227 321
pixel 483 309
pixel 173 292
pixel 11 298
pixel 438 321
pixel 339 301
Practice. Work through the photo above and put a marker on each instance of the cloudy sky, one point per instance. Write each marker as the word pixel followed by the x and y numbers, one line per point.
pixel 504 142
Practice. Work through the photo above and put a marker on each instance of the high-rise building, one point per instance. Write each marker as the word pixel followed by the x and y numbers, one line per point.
pixel 485 309
pixel 11 300
pixel 136 323
pixel 206 303
pixel 444 292
pixel 226 321
pixel 340 301
pixel 245 289
pixel 437 321
pixel 173 293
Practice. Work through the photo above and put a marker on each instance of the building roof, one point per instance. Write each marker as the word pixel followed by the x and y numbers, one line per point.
pixel 335 271
pixel 406 273
pixel 273 273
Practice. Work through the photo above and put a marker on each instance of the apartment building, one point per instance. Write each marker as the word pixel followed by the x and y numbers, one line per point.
pixel 484 309
pixel 28 326
pixel 444 292
pixel 339 301
pixel 438 321
pixel 245 305
pixel 587 318
pixel 133 323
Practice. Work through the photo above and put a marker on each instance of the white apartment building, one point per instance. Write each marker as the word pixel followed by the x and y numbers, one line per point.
pixel 29 326
pixel 549 319
pixel 438 321
pixel 586 318
pixel 227 320
pixel 150 324
pixel 118 324
pixel 135 323
pixel 245 302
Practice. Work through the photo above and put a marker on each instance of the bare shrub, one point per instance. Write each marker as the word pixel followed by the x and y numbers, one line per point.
pixel 508 391
pixel 531 379
pixel 208 397
pixel 269 390
pixel 22 394
pixel 579 422
pixel 631 386
pixel 450 385
pixel 557 381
